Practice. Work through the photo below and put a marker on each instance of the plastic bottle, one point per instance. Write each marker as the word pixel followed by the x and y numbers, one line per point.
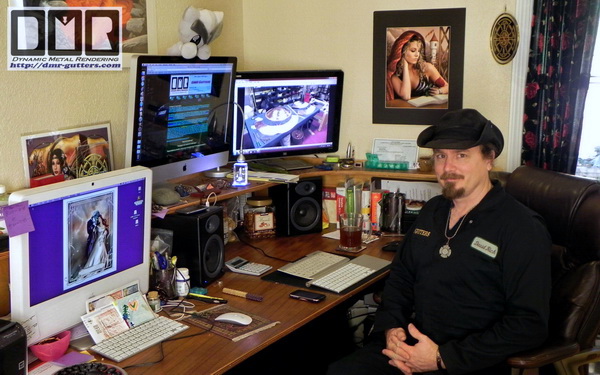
pixel 154 301
pixel 183 282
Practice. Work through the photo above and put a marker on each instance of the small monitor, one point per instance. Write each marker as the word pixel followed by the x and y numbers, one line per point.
pixel 180 114
pixel 91 235
pixel 285 113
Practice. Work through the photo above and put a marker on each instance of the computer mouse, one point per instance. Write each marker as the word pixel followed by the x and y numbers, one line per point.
pixel 234 318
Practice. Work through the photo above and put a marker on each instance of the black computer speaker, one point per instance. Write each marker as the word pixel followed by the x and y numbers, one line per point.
pixel 197 243
pixel 298 207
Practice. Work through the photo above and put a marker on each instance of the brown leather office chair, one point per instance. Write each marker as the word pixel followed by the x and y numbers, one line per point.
pixel 571 207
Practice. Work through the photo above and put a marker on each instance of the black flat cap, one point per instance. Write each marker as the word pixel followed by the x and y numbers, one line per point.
pixel 461 129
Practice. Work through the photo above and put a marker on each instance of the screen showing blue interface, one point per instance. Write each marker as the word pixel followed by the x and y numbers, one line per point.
pixel 92 235
pixel 182 111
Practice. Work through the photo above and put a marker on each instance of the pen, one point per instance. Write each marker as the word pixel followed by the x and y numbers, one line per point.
pixel 239 293
pixel 203 298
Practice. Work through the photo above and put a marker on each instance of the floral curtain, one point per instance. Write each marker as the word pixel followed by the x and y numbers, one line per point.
pixel 561 50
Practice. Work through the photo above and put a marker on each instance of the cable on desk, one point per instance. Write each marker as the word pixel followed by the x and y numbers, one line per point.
pixel 214 195
pixel 175 304
pixel 262 251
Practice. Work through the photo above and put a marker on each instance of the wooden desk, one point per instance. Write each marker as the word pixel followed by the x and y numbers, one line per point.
pixel 212 354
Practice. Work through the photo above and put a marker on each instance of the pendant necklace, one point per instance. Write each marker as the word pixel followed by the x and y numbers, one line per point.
pixel 445 250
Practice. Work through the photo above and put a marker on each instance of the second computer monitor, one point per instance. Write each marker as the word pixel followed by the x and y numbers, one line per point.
pixel 294 112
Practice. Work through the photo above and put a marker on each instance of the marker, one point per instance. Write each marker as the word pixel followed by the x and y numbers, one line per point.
pixel 209 299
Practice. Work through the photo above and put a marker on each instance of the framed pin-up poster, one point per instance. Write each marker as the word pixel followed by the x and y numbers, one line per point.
pixel 418 59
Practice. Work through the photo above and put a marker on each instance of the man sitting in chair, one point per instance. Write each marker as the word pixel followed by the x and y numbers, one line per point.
pixel 471 284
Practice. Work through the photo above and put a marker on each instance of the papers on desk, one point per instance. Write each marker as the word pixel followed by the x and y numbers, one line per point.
pixel 111 296
pixel 104 322
pixel 283 178
pixel 116 311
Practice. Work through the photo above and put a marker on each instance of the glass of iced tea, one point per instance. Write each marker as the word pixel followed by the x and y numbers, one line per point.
pixel 350 231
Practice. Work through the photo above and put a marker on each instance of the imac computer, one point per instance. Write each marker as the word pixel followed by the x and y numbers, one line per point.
pixel 180 112
pixel 90 236
pixel 286 113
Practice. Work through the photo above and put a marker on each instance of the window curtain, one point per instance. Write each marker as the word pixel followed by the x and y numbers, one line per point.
pixel 561 50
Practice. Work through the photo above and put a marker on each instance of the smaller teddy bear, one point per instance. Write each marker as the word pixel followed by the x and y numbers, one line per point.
pixel 197 29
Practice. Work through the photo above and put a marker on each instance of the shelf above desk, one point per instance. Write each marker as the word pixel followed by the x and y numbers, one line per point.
pixel 330 179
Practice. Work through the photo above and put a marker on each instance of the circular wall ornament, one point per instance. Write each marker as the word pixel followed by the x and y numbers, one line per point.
pixel 504 39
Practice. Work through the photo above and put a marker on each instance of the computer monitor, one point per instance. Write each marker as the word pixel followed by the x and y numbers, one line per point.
pixel 294 112
pixel 180 112
pixel 91 235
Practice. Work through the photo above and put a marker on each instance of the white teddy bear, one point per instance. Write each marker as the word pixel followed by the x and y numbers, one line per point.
pixel 197 29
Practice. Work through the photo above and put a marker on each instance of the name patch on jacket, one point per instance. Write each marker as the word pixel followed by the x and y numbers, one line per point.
pixel 485 247
pixel 422 232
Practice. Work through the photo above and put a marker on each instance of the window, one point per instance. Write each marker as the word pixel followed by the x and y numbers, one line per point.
pixel 588 160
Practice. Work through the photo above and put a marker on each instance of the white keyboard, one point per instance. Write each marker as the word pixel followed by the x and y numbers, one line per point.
pixel 312 264
pixel 344 277
pixel 137 339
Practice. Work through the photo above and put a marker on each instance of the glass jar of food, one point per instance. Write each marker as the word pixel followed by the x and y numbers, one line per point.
pixel 259 217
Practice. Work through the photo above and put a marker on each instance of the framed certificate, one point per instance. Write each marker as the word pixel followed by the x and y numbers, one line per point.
pixel 396 150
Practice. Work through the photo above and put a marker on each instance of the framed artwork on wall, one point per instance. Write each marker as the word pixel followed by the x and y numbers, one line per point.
pixel 418 61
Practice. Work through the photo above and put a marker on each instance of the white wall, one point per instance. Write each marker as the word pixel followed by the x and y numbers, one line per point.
pixel 264 34
pixel 338 34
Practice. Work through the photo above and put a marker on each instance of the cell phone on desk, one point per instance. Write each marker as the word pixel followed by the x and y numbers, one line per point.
pixel 307 295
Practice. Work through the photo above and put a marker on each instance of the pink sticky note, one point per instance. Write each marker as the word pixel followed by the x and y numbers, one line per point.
pixel 161 214
pixel 17 219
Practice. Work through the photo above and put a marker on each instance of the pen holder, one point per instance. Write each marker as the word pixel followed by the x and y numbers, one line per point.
pixel 164 282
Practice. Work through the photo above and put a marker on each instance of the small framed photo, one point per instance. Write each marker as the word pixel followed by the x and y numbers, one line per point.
pixel 67 154
pixel 396 150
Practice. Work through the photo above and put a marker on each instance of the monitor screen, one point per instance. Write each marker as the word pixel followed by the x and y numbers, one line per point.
pixel 180 111
pixel 91 235
pixel 287 113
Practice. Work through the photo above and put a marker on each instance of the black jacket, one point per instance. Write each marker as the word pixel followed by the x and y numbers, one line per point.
pixel 489 298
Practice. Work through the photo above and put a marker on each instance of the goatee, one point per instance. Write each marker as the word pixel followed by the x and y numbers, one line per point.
pixel 449 191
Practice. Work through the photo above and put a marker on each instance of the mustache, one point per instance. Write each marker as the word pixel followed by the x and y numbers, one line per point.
pixel 452 176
